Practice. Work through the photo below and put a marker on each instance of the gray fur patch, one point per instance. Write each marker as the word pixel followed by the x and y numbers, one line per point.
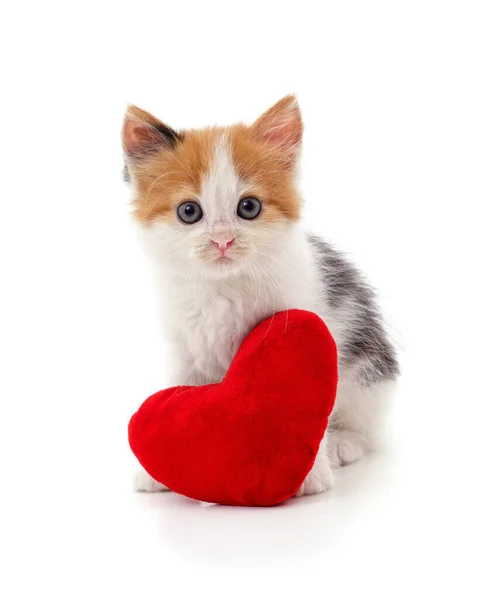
pixel 367 346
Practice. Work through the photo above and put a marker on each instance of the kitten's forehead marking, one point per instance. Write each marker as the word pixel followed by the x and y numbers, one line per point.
pixel 221 186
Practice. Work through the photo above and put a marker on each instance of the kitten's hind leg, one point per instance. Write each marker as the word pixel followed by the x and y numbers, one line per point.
pixel 345 447
pixel 357 423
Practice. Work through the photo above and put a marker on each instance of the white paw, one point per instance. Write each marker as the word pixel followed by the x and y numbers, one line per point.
pixel 316 482
pixel 143 482
pixel 345 447
pixel 320 478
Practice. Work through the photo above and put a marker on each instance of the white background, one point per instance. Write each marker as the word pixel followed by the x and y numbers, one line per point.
pixel 400 102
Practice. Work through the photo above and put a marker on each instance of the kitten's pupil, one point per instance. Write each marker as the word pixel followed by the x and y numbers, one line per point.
pixel 189 209
pixel 248 205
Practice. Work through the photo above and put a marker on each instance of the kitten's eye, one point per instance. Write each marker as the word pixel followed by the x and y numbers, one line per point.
pixel 189 212
pixel 249 208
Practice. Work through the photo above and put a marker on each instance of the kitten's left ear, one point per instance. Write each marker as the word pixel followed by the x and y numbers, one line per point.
pixel 282 126
pixel 143 134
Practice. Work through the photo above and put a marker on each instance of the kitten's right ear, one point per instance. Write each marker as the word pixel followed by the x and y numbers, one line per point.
pixel 281 125
pixel 143 134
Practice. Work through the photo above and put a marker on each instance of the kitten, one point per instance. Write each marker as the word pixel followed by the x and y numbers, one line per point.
pixel 220 215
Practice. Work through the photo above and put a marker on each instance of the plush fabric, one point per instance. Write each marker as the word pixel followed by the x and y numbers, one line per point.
pixel 251 439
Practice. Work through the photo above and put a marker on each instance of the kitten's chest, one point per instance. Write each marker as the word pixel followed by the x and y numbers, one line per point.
pixel 214 325
pixel 212 321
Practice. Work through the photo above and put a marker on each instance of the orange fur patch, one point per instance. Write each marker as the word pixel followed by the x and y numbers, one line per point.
pixel 171 176
pixel 264 167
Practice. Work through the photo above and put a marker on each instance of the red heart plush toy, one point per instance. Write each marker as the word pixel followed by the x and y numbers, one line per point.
pixel 251 439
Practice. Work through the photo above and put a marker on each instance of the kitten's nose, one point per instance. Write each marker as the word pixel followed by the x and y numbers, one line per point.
pixel 222 242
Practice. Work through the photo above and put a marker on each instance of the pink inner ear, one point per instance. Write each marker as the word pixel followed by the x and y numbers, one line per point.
pixel 281 125
pixel 286 134
pixel 138 137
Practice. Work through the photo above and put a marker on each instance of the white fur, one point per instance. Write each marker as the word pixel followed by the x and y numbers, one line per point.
pixel 209 308
pixel 143 482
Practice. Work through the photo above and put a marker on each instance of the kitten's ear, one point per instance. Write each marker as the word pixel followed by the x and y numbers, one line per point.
pixel 143 134
pixel 282 126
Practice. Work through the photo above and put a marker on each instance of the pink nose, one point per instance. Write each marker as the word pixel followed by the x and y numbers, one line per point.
pixel 223 243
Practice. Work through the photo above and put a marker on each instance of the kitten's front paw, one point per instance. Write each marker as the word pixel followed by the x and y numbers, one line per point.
pixel 317 481
pixel 143 482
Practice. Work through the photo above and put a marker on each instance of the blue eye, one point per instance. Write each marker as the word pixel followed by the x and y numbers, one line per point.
pixel 189 212
pixel 249 208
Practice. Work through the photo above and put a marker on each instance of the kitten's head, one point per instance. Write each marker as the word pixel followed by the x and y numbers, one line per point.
pixel 216 199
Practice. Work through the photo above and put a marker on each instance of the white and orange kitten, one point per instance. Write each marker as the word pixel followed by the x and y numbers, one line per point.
pixel 220 216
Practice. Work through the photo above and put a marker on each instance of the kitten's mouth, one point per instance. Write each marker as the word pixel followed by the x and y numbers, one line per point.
pixel 223 259
pixel 224 265
pixel 223 262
